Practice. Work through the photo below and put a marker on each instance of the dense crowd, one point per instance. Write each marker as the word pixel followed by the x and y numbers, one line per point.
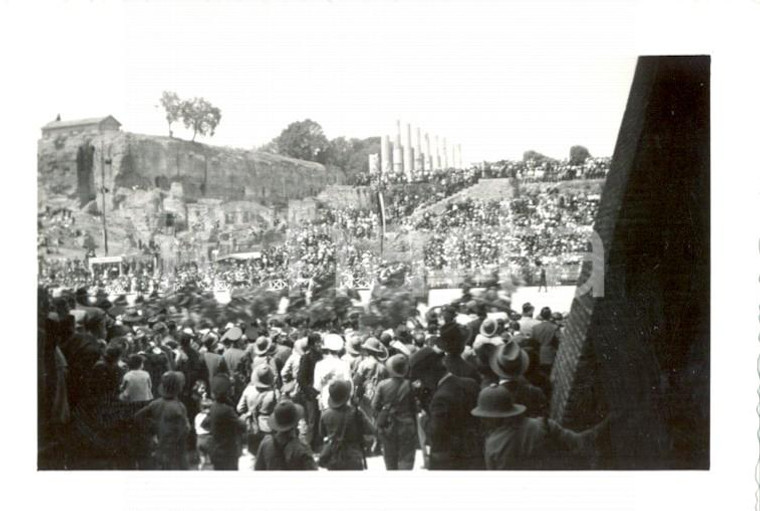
pixel 56 229
pixel 471 234
pixel 146 387
pixel 550 170
pixel 530 170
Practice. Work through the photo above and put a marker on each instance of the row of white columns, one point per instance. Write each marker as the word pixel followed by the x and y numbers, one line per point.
pixel 408 156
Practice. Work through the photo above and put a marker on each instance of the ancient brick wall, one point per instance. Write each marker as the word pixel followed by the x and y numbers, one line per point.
pixel 642 349
pixel 144 162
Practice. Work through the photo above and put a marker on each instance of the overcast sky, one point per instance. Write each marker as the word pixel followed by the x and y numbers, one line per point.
pixel 499 78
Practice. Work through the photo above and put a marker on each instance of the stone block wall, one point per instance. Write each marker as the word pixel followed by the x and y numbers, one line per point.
pixel 642 349
pixel 143 162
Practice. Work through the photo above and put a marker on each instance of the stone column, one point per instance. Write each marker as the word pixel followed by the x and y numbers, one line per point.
pixel 385 154
pixel 419 160
pixel 408 160
pixel 445 155
pixel 428 153
pixel 374 164
pixel 398 165
pixel 437 163
pixel 459 156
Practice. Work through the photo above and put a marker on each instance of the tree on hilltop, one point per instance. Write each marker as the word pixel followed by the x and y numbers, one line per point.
pixel 200 116
pixel 172 107
pixel 197 114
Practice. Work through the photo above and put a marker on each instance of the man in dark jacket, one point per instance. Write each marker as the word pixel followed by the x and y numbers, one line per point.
pixel 547 335
pixel 452 341
pixel 307 393
pixel 283 450
pixel 456 441
pixel 518 442
pixel 225 427
pixel 510 362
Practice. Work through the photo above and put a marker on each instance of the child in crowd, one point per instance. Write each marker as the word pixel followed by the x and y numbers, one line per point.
pixel 136 384
pixel 203 434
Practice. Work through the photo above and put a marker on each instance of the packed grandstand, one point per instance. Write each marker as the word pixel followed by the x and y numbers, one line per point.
pixel 546 226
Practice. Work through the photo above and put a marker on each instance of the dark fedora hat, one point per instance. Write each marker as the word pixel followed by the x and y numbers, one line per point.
pixel 398 365
pixel 496 402
pixel 509 360
pixel 340 393
pixel 285 416
pixel 372 345
pixel 453 338
pixel 424 360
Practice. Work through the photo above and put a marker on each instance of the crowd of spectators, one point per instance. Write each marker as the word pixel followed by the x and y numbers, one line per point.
pixel 469 235
pixel 474 234
pixel 146 386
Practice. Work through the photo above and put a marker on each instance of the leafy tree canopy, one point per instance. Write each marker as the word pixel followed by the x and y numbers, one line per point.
pixel 200 116
pixel 304 140
pixel 578 155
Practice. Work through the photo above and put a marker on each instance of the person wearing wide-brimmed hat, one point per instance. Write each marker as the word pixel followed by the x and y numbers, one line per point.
pixel 518 442
pixel 370 372
pixel 454 436
pixel 330 368
pixel 344 428
pixel 510 362
pixel 256 411
pixel 395 415
pixel 452 342
pixel 479 357
pixel 282 450
pixel 353 353
pixel 264 351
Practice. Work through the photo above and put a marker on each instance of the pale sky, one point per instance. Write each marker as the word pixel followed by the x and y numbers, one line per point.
pixel 499 78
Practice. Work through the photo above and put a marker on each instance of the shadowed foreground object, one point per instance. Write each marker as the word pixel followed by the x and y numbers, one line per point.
pixel 643 348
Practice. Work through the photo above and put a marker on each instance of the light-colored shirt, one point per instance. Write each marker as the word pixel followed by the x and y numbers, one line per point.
pixel 326 371
pixel 136 386
pixel 527 324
